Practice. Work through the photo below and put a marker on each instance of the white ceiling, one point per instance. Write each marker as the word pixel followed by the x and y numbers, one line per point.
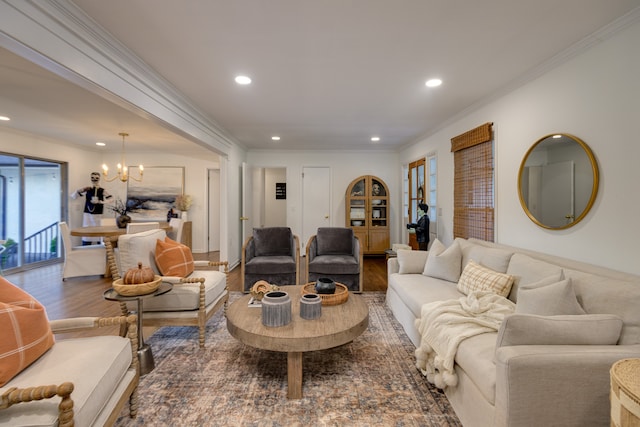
pixel 326 74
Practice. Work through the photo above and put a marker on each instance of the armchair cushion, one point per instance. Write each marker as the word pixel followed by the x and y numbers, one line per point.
pixel 273 241
pixel 173 258
pixel 95 366
pixel 186 296
pixel 334 264
pixel 270 265
pixel 334 241
pixel 26 333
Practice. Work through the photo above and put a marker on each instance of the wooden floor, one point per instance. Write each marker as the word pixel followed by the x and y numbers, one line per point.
pixel 82 296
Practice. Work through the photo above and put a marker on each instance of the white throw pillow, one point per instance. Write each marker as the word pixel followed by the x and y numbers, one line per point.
pixel 585 329
pixel 443 263
pixel 411 262
pixel 496 259
pixel 545 299
pixel 476 277
pixel 527 270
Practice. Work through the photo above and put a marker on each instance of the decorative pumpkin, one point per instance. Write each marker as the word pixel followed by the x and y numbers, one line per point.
pixel 136 276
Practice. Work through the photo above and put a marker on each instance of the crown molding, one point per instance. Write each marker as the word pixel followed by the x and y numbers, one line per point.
pixel 61 38
pixel 557 60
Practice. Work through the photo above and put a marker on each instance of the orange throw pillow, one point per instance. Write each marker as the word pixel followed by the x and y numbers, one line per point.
pixel 26 333
pixel 173 258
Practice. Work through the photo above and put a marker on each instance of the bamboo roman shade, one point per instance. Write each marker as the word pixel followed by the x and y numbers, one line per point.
pixel 473 206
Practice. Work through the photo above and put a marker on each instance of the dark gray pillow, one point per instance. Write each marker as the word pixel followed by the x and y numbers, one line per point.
pixel 334 241
pixel 272 241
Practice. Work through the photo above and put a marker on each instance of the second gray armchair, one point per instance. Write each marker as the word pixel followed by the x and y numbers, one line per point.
pixel 335 252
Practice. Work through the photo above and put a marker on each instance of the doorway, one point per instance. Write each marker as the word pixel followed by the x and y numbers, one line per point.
pixel 316 201
pixel 264 198
pixel 213 183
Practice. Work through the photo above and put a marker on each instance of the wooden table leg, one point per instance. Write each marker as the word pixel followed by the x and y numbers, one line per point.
pixel 294 375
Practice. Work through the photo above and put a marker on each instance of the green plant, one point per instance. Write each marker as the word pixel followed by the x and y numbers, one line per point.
pixel 53 246
pixel 8 244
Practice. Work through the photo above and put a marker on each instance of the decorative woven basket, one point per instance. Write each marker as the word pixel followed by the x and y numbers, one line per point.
pixel 137 290
pixel 339 297
pixel 625 393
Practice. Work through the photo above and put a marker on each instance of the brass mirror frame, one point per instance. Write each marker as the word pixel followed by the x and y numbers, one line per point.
pixel 594 188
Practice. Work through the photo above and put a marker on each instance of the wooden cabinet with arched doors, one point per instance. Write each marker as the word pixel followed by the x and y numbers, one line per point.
pixel 367 213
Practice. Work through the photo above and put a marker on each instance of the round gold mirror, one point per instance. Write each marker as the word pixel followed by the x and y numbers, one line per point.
pixel 558 181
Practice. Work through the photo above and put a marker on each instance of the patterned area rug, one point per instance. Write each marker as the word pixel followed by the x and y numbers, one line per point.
pixel 371 381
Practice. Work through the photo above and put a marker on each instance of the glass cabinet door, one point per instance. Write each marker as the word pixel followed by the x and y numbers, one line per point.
pixel 379 204
pixel 358 205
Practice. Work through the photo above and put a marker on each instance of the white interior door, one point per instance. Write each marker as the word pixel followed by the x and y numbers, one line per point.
pixel 558 181
pixel 316 201
pixel 246 214
pixel 214 210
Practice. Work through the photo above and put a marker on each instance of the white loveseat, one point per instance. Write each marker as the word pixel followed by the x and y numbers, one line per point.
pixel 526 374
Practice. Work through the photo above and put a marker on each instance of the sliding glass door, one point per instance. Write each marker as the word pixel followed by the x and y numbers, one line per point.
pixel 32 203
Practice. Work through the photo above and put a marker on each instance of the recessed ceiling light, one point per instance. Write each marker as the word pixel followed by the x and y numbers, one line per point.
pixel 275 138
pixel 375 138
pixel 4 118
pixel 243 80
pixel 433 83
pixel 100 144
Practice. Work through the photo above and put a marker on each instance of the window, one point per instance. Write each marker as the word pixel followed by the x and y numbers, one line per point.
pixel 473 205
pixel 31 202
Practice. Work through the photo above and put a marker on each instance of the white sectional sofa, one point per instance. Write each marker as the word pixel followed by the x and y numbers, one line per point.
pixel 548 369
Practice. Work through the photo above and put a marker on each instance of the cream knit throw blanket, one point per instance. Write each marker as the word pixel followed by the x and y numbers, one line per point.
pixel 443 325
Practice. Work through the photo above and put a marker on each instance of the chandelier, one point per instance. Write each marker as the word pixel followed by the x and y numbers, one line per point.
pixel 123 170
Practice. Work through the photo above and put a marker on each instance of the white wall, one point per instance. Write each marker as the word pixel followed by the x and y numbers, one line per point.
pixel 195 179
pixel 345 167
pixel 83 162
pixel 594 96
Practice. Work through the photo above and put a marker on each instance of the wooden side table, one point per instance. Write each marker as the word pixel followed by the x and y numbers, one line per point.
pixel 625 393
pixel 145 357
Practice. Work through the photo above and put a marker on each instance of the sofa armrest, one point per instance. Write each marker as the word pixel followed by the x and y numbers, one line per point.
pixel 532 380
pixel 392 266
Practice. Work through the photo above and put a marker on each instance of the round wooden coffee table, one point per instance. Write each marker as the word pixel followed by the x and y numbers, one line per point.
pixel 338 325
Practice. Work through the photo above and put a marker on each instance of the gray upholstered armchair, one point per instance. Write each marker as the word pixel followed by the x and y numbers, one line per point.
pixel 335 252
pixel 271 254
